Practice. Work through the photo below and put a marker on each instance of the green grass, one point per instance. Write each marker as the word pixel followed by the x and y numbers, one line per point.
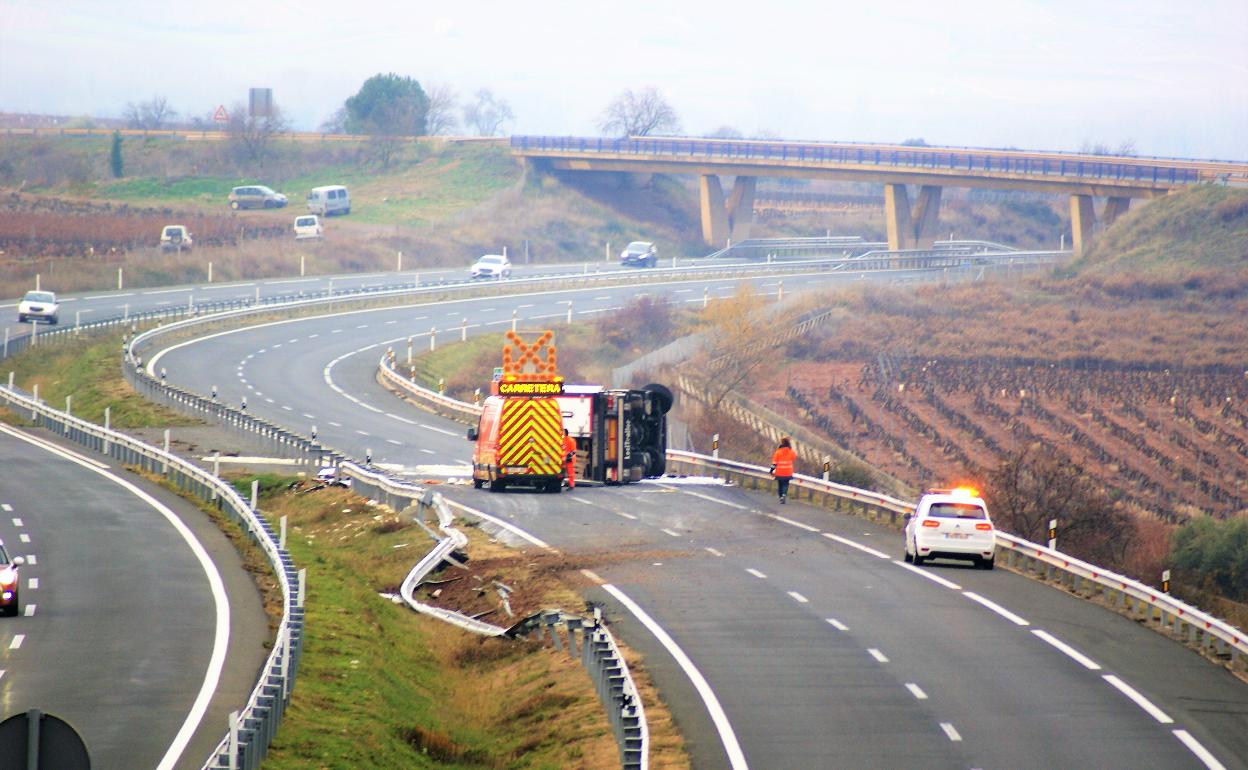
pixel 203 189
pixel 89 369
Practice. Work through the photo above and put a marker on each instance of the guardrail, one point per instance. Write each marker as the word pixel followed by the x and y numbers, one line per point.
pixel 1043 166
pixel 250 730
pixel 1181 620
pixel 599 654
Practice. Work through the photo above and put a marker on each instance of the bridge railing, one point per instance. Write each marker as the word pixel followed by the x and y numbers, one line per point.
pixel 936 159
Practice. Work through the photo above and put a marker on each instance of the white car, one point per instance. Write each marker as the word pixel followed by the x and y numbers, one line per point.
pixel 38 306
pixel 308 227
pixel 951 524
pixel 491 266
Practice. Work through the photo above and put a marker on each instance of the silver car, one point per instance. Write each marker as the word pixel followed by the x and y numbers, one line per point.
pixel 38 306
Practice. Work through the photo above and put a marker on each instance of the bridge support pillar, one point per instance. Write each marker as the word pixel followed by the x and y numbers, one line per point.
pixel 722 219
pixel 897 216
pixel 1114 208
pixel 714 215
pixel 1082 220
pixel 926 212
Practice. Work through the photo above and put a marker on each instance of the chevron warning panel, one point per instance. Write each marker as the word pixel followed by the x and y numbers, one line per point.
pixel 530 434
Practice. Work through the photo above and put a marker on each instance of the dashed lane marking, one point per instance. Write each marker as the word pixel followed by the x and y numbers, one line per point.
pixel 859 546
pixel 32 560
pixel 930 576
pixel 17 641
pixel 798 597
pixel 916 691
pixel 1139 699
pixel 6 507
pixel 838 625
pixel 670 532
pixel 997 608
pixel 950 731
pixel 714 552
pixel 30 610
pixel 17 522
pixel 715 500
pixel 756 573
pixel 33 583
pixel 879 656
pixel 1191 743
pixel 25 538
pixel 791 523
pixel 1079 657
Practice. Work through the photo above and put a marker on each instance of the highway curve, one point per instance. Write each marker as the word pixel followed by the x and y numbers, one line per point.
pixel 820 648
pixel 120 614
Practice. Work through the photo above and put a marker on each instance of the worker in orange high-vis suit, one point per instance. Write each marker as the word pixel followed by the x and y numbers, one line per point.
pixel 569 458
pixel 782 467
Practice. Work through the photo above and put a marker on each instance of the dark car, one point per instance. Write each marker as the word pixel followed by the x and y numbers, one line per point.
pixel 639 254
pixel 9 579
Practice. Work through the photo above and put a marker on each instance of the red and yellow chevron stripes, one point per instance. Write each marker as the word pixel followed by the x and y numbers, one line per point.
pixel 530 433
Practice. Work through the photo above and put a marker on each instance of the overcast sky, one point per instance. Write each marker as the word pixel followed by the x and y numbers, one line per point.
pixel 1170 76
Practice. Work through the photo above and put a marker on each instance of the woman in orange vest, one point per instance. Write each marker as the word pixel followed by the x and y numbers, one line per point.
pixel 569 458
pixel 782 467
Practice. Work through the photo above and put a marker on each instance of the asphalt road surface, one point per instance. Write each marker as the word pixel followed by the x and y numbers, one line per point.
pixel 818 647
pixel 126 619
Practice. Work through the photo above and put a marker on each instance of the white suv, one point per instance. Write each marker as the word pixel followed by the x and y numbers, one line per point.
pixel 951 524
pixel 38 306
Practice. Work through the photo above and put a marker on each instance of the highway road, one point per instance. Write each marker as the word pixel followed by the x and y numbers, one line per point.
pixel 819 647
pixel 127 621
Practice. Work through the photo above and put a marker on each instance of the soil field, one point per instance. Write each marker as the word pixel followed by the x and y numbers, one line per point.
pixel 1172 443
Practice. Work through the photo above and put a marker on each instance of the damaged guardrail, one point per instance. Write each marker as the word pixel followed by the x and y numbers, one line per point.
pixel 251 729
pixel 599 653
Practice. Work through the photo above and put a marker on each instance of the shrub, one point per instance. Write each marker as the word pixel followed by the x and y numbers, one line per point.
pixel 1214 553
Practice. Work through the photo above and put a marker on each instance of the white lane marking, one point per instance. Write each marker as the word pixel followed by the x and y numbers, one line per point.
pixel 443 431
pixel 221 602
pixel 17 522
pixel 950 731
pixel 997 608
pixel 756 573
pixel 429 451
pixel 30 610
pixel 715 500
pixel 363 432
pixel 6 508
pixel 287 408
pixel 291 280
pixel 1200 751
pixel 736 757
pixel 929 575
pixel 392 441
pixel 791 523
pixel 309 416
pixel 109 296
pixel 371 408
pixel 401 419
pixel 33 583
pixel 602 299
pixel 31 559
pixel 512 528
pixel 859 546
pixel 25 538
pixel 916 691
pixel 362 326
pixel 838 625
pixel 879 656
pixel 335 331
pixel 269 400
pixel 482 310
pixel 617 513
pixel 798 597
pixel 592 576
pixel 670 532
pixel 17 641
pixel 714 552
pixel 1139 699
pixel 1079 657
pixel 520 307
pixel 313 336
pixel 335 424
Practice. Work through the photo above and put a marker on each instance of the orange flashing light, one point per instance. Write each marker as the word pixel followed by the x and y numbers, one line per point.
pixel 526 364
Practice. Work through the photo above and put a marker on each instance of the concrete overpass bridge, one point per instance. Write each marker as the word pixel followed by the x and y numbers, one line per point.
pixel 912 224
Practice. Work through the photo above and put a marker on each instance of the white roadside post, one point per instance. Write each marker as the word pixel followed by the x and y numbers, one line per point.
pixel 69 403
pixel 706 296
pixel 120 283
pixel 108 421
pixel 281 541
pixel 827 469
pixel 569 311
pixel 209 272
pixel 303 265
pixel 164 466
pixel 1165 581
pixel 608 259
pixel 433 338
pixel 125 312
pixel 37 281
pixel 409 351
pixel 303 585
pixel 398 263
pixel 34 333
pixel 35 394
pixel 255 495
pixel 6 346
pixel 514 317
pixel 715 446
pixel 780 291
pixel 463 329
pixel 1053 534
pixel 232 748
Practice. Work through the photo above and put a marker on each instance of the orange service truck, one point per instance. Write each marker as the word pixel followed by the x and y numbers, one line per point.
pixel 621 435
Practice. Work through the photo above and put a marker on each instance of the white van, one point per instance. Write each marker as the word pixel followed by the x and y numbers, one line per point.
pixel 307 227
pixel 331 199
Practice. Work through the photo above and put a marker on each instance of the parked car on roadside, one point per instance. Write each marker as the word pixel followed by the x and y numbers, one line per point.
pixel 176 238
pixel 38 306
pixel 639 254
pixel 950 524
pixel 308 227
pixel 256 196
pixel 491 266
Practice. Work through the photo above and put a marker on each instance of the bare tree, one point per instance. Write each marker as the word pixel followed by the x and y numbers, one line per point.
pixel 488 114
pixel 443 102
pixel 151 114
pixel 335 123
pixel 251 136
pixel 740 336
pixel 639 113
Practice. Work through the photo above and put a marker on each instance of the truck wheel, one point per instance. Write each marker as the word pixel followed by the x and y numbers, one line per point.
pixel 497 485
pixel 478 483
